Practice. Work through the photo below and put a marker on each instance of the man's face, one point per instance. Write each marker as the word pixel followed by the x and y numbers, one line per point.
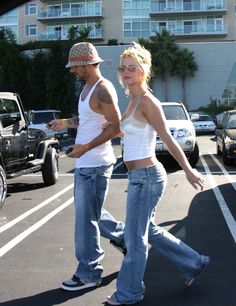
pixel 80 72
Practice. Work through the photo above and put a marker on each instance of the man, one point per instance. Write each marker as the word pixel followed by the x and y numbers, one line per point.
pixel 98 103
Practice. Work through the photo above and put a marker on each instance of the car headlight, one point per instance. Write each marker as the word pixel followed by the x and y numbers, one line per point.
pixel 184 133
pixel 229 141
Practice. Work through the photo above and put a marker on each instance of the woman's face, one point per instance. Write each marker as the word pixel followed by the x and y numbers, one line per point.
pixel 130 72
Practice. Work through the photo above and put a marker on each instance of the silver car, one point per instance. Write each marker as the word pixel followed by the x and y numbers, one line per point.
pixel 204 124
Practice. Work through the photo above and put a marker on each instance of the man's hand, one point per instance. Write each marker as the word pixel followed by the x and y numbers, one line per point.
pixel 55 125
pixel 78 150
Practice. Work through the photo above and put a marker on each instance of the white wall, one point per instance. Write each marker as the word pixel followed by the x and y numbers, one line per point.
pixel 215 62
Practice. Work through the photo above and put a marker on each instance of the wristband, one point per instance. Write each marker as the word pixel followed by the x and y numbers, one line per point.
pixel 63 123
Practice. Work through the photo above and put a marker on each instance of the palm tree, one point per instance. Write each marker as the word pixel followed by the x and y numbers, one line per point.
pixel 185 67
pixel 84 33
pixel 163 49
pixel 72 33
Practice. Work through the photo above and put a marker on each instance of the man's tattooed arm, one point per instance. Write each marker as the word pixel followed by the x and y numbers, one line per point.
pixel 71 123
pixel 104 96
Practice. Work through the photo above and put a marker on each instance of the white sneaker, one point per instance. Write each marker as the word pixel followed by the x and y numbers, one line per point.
pixel 75 283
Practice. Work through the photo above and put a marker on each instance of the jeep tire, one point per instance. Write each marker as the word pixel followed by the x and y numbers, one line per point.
pixel 3 186
pixel 50 167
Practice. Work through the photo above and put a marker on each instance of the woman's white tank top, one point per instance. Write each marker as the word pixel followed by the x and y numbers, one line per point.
pixel 139 138
pixel 90 126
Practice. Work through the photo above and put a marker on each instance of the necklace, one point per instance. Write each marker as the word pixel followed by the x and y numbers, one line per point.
pixel 86 90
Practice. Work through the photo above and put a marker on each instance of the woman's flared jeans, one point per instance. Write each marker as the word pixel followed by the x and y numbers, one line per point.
pixel 145 188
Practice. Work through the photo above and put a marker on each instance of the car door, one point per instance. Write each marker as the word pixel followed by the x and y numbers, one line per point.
pixel 14 144
pixel 221 131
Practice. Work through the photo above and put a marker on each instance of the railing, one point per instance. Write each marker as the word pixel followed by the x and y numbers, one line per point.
pixel 226 102
pixel 73 12
pixel 93 34
pixel 191 29
pixel 186 7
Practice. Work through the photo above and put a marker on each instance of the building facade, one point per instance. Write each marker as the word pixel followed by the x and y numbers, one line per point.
pixel 123 20
pixel 199 25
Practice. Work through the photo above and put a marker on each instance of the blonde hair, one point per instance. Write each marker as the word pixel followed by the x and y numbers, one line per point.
pixel 142 58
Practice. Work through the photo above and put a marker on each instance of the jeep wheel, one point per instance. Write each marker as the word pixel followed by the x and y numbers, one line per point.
pixel 194 157
pixel 3 186
pixel 50 167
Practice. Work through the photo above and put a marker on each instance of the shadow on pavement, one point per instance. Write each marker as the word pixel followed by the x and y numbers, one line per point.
pixel 55 296
pixel 205 230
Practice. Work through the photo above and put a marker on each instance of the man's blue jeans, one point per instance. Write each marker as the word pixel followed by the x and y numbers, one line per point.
pixel 90 189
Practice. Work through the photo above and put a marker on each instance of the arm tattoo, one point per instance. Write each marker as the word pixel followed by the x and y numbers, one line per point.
pixel 104 96
pixel 72 122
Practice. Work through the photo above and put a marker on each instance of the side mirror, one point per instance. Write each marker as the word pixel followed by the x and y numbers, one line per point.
pixel 194 117
pixel 219 127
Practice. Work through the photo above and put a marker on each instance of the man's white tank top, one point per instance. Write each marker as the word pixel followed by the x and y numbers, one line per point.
pixel 90 126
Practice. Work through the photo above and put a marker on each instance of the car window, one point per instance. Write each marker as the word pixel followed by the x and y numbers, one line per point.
pixel 174 112
pixel 9 112
pixel 232 122
pixel 204 118
pixel 44 117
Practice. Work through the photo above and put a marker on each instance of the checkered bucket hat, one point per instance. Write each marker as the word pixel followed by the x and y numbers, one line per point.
pixel 83 53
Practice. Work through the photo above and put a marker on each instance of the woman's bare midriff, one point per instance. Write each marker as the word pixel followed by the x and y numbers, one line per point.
pixel 141 163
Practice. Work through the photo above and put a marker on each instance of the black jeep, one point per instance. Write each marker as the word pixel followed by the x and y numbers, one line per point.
pixel 23 150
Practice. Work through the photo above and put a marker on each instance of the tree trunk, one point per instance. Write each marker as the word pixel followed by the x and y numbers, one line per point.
pixel 165 84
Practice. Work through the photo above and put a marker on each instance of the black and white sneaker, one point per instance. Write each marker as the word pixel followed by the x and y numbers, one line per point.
pixel 119 247
pixel 75 283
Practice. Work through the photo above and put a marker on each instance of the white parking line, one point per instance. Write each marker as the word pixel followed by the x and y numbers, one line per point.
pixel 11 244
pixel 29 212
pixel 223 206
pixel 222 168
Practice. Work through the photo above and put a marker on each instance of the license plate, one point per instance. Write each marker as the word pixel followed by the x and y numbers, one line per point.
pixel 159 147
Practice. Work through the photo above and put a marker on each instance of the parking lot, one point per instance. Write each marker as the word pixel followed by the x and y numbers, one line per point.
pixel 36 237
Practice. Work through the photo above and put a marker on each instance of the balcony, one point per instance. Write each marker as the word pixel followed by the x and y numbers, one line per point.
pixel 191 30
pixel 161 9
pixel 95 34
pixel 59 14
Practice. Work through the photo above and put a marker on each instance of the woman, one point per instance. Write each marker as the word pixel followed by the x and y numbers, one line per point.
pixel 143 119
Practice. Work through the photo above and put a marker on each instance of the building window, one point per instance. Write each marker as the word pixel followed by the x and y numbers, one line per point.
pixel 30 9
pixel 136 28
pixel 10 17
pixel 31 30
pixel 136 8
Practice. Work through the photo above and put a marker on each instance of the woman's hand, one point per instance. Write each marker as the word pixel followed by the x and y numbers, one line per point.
pixel 106 125
pixel 195 179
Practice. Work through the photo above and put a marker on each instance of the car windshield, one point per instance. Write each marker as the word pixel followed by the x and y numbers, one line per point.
pixel 45 117
pixel 174 112
pixel 232 122
pixel 203 118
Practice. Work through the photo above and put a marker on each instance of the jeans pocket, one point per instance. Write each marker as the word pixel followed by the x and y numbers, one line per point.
pixel 106 171
pixel 86 171
pixel 136 181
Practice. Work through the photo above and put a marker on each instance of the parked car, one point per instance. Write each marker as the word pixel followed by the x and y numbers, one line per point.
pixel 39 119
pixel 226 137
pixel 23 150
pixel 182 130
pixel 204 124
